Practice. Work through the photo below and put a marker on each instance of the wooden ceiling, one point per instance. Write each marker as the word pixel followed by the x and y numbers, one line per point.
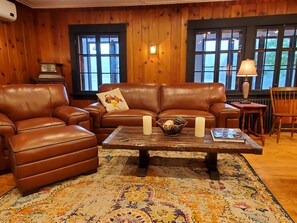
pixel 103 3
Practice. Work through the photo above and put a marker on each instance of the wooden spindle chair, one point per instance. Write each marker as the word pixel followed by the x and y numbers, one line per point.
pixel 284 108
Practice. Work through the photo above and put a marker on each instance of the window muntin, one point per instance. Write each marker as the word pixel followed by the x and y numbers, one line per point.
pixel 265 57
pixel 217 53
pixel 288 68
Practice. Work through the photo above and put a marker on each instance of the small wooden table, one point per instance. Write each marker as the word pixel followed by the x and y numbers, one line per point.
pixel 125 137
pixel 246 111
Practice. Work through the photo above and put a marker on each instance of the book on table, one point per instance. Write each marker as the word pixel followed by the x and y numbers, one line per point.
pixel 227 135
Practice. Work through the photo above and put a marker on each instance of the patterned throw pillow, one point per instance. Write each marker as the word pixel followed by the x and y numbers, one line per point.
pixel 113 100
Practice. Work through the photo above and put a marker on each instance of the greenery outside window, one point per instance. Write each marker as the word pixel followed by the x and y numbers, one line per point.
pixel 216 47
pixel 275 50
pixel 98 56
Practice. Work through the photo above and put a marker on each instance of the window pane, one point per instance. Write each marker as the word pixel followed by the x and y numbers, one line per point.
pixel 208 77
pixel 282 79
pixel 200 41
pixel 198 63
pixel 286 43
pixel 224 44
pixel 105 65
pixel 104 48
pixel 93 64
pixel 114 64
pixel 210 45
pixel 267 79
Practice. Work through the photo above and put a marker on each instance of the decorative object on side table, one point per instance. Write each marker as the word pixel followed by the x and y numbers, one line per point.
pixel 50 73
pixel 172 127
pixel 247 69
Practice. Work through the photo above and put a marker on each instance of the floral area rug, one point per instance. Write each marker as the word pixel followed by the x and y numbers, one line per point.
pixel 176 189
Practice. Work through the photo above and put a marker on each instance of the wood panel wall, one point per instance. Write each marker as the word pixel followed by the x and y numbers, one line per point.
pixel 42 35
pixel 19 48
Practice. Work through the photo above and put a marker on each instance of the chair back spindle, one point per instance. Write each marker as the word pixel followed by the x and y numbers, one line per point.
pixel 284 107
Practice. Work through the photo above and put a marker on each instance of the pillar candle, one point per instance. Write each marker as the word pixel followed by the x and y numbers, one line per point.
pixel 147 125
pixel 199 126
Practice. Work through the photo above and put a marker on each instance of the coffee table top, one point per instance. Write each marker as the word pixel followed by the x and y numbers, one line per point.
pixel 126 137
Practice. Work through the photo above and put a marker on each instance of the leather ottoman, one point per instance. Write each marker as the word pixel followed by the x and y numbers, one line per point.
pixel 45 156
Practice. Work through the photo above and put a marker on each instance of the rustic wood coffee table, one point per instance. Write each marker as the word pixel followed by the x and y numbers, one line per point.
pixel 125 137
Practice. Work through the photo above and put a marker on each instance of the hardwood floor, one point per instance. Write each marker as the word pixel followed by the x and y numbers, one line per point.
pixel 277 167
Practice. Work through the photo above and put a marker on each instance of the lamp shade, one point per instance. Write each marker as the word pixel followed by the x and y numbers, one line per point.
pixel 247 69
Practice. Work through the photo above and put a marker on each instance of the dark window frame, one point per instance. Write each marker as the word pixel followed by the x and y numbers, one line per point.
pixel 95 29
pixel 251 24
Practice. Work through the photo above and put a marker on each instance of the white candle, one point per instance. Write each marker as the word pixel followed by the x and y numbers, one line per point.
pixel 147 125
pixel 199 126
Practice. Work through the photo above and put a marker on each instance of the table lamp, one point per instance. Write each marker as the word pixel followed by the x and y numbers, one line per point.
pixel 247 69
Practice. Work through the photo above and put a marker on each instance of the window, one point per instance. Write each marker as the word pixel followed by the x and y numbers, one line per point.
pixel 217 53
pixel 271 58
pixel 217 46
pixel 98 56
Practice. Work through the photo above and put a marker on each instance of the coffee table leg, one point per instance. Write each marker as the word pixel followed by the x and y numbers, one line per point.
pixel 143 163
pixel 211 164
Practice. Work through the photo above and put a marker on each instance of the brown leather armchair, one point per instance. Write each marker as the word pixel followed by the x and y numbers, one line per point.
pixel 27 107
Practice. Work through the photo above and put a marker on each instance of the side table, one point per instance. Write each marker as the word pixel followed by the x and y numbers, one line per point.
pixel 246 111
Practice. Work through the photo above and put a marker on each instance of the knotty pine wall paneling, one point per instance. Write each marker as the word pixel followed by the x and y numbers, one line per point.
pixel 42 35
pixel 19 48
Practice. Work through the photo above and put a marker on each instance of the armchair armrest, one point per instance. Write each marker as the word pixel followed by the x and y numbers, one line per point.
pixel 96 111
pixel 226 115
pixel 7 129
pixel 72 115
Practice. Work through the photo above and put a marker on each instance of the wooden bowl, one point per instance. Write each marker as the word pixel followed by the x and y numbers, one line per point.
pixel 171 130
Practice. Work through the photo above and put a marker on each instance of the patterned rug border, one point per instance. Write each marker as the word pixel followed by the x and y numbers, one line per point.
pixel 282 209
pixel 266 188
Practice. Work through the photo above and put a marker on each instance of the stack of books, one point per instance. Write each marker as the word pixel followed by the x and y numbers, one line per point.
pixel 227 135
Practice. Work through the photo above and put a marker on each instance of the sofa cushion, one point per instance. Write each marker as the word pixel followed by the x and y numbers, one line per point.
pixel 37 123
pixel 137 95
pixel 113 100
pixel 131 117
pixel 190 115
pixel 191 96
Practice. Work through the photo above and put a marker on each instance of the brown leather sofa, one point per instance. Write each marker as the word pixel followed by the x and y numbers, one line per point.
pixel 25 108
pixel 188 100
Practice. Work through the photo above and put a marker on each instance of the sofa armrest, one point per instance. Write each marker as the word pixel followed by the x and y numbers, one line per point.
pixel 226 115
pixel 6 126
pixel 96 110
pixel 7 129
pixel 72 116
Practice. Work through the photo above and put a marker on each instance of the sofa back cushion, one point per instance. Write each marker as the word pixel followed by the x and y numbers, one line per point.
pixel 191 96
pixel 137 95
pixel 25 101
